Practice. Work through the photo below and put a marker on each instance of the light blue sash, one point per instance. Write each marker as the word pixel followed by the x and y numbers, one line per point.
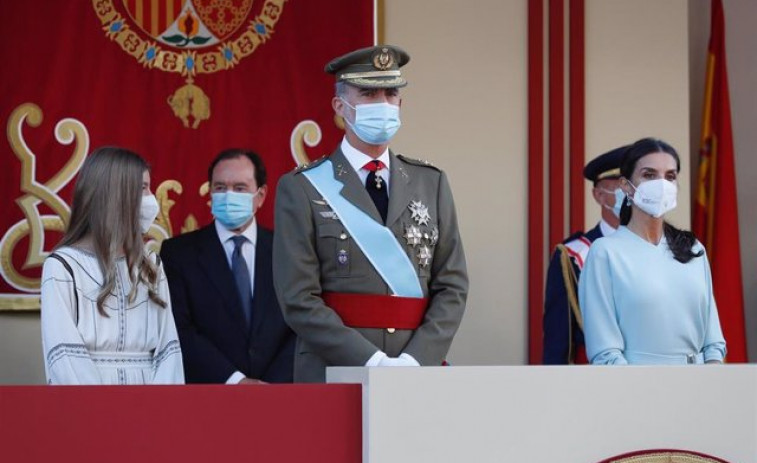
pixel 375 240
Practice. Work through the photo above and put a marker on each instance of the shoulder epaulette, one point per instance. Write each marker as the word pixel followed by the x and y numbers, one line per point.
pixel 417 162
pixel 572 237
pixel 578 248
pixel 310 165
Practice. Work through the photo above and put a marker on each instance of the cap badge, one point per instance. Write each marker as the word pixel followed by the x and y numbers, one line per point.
pixel 383 60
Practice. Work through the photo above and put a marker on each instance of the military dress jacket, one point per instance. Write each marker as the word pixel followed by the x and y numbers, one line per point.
pixel 563 327
pixel 314 253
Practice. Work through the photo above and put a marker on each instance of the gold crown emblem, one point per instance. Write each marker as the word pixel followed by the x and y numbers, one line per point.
pixel 383 60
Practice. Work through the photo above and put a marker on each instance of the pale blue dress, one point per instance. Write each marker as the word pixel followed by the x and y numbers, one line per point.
pixel 641 306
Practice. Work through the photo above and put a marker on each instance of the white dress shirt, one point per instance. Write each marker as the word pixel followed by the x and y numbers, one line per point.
pixel 248 252
pixel 358 159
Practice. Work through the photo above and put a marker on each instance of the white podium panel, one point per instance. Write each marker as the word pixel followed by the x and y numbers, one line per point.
pixel 565 414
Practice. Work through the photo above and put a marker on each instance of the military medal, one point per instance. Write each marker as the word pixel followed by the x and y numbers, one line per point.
pixel 342 257
pixel 379 180
pixel 433 237
pixel 419 213
pixel 413 235
pixel 325 214
pixel 424 256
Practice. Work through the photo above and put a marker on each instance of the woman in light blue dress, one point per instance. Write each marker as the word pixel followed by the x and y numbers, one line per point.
pixel 646 291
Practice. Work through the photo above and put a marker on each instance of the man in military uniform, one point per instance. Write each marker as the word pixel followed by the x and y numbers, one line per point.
pixel 368 263
pixel 563 325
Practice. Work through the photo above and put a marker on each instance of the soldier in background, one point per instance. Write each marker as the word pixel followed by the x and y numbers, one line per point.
pixel 563 326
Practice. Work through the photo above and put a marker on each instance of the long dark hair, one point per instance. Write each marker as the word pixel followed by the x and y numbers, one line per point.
pixel 105 207
pixel 680 242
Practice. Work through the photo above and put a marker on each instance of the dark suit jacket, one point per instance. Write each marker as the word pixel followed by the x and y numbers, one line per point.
pixel 206 306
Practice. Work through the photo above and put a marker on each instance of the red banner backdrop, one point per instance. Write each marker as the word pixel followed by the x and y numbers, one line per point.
pixel 176 81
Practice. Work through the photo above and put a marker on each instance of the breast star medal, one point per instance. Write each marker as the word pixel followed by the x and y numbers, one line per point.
pixel 413 235
pixel 433 237
pixel 424 256
pixel 419 212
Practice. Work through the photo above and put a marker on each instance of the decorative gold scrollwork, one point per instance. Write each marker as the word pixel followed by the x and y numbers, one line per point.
pixel 67 131
pixel 34 225
pixel 308 133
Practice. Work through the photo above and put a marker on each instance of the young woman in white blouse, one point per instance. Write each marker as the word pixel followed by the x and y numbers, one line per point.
pixel 646 291
pixel 106 315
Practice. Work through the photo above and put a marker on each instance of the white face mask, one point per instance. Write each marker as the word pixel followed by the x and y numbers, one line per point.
pixel 148 210
pixel 656 197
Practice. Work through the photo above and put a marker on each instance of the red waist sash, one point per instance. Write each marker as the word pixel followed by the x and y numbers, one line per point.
pixel 377 310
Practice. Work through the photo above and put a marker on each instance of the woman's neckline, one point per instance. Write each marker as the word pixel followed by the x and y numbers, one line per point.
pixel 663 240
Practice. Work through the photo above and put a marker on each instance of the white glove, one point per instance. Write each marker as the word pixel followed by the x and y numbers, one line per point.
pixel 404 360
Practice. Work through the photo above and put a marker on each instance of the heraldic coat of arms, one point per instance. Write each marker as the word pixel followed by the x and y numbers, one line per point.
pixel 189 37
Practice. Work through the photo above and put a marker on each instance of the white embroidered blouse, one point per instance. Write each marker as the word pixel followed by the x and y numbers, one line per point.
pixel 136 344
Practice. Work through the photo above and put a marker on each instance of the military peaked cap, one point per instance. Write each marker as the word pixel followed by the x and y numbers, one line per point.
pixel 372 67
pixel 605 165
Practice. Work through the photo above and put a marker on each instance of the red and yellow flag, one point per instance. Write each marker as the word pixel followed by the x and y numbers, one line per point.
pixel 716 221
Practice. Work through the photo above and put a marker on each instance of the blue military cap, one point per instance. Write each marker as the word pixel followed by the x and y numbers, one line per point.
pixel 605 165
pixel 371 67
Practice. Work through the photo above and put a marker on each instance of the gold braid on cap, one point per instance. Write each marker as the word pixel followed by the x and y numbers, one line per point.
pixel 397 81
pixel 609 173
pixel 369 74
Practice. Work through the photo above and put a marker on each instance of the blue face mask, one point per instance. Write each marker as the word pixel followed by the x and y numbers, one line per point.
pixel 619 197
pixel 375 123
pixel 232 209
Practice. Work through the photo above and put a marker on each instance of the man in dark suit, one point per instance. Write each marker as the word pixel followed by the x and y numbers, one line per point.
pixel 220 276
pixel 563 325
pixel 368 261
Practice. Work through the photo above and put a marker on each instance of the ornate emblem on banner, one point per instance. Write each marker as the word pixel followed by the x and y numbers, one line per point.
pixel 189 38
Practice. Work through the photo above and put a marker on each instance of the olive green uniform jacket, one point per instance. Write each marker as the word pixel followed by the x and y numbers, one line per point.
pixel 313 253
